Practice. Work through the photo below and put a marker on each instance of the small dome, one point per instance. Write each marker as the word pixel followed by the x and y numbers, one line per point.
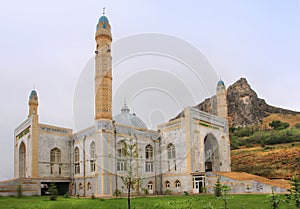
pixel 125 109
pixel 221 83
pixel 103 19
pixel 128 119
pixel 33 95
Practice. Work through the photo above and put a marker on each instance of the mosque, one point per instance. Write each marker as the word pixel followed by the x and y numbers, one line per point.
pixel 182 155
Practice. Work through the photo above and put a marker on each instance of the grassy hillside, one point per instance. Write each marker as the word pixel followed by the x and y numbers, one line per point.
pixel 272 161
pixel 272 153
pixel 292 119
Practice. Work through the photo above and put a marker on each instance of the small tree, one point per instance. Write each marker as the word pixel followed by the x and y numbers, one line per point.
pixel 274 200
pixel 278 125
pixel 294 191
pixel 130 180
pixel 218 188
pixel 224 191
pixel 53 191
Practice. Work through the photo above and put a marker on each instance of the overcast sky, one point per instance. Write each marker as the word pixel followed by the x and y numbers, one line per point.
pixel 48 43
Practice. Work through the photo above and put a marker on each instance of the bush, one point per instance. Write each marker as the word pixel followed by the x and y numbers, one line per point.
pixel 297 125
pixel 243 132
pixel 278 125
pixel 145 191
pixel 168 192
pixel 93 196
pixel 117 193
pixel 66 195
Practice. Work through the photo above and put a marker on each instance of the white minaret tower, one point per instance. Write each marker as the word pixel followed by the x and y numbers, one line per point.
pixel 105 173
pixel 222 109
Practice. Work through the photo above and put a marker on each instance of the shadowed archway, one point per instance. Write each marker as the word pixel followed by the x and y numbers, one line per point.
pixel 212 153
pixel 22 160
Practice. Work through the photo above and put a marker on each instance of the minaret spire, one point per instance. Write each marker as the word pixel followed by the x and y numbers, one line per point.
pixel 103 10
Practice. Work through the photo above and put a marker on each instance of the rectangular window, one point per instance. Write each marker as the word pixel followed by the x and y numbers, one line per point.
pixel 59 169
pixel 93 165
pixel 77 168
pixel 149 166
pixel 175 167
pixel 121 166
pixel 51 168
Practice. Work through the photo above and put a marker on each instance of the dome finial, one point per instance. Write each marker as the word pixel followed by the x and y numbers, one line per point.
pixel 103 10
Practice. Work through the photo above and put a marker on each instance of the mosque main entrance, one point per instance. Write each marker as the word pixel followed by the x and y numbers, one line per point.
pixel 198 183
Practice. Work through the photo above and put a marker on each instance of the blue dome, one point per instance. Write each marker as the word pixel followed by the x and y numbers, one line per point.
pixel 103 19
pixel 33 94
pixel 221 83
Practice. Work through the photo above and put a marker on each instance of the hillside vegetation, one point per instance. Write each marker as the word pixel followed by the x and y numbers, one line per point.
pixel 274 161
pixel 272 153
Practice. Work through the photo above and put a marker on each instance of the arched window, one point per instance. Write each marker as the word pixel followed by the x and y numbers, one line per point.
pixel 167 184
pixel 171 155
pixel 80 186
pixel 55 155
pixel 55 161
pixel 149 152
pixel 177 183
pixel 120 147
pixel 150 187
pixel 149 158
pixel 92 157
pixel 77 160
pixel 171 151
pixel 121 161
pixel 92 150
pixel 89 186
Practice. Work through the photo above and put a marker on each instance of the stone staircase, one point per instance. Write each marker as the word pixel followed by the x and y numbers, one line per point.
pixel 29 187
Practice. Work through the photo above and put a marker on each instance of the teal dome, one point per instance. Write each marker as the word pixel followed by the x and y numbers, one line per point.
pixel 103 19
pixel 221 83
pixel 33 94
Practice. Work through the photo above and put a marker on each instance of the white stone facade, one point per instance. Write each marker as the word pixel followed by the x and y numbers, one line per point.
pixel 173 158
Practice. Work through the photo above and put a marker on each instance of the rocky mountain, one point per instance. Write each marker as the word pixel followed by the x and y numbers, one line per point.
pixel 244 106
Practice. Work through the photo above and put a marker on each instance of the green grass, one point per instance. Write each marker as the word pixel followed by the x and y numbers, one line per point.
pixel 161 202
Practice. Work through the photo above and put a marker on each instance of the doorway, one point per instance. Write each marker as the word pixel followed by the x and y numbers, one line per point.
pixel 198 183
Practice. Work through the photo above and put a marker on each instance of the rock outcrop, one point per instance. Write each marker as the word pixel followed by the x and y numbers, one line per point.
pixel 244 106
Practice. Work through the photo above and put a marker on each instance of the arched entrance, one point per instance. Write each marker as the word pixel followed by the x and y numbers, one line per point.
pixel 22 160
pixel 150 187
pixel 212 154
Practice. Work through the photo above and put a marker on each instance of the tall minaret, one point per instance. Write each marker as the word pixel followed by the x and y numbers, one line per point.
pixel 33 113
pixel 222 109
pixel 105 138
pixel 103 70
pixel 33 103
